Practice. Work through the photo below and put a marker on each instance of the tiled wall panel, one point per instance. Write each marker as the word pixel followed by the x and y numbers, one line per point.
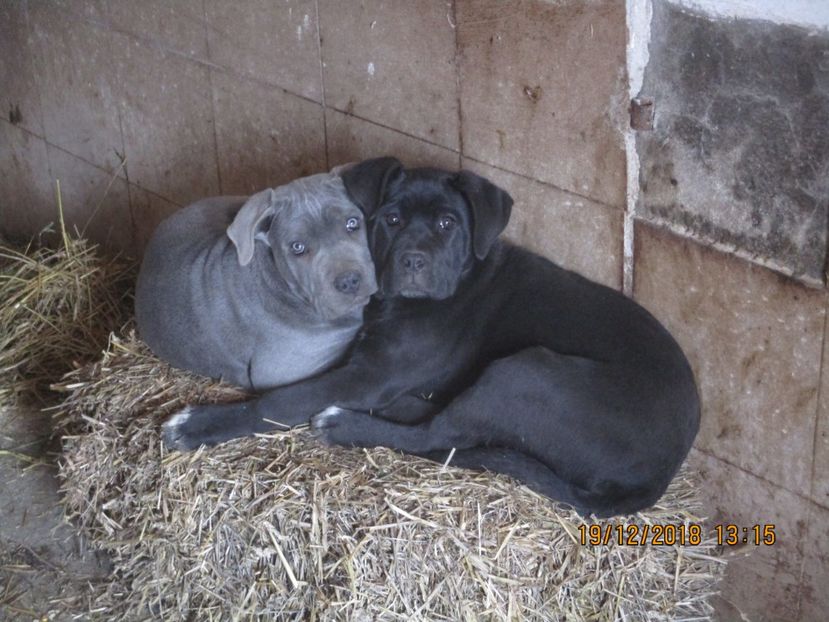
pixel 543 91
pixel 573 231
pixel 351 139
pixel 167 117
pixel 393 63
pixel 265 136
pixel 77 82
pixel 754 341
pixel 275 42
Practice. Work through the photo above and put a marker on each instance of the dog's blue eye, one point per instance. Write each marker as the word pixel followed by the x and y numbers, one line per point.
pixel 352 224
pixel 297 248
pixel 393 219
pixel 446 223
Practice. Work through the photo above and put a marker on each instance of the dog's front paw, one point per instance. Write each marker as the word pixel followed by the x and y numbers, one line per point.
pixel 338 426
pixel 327 418
pixel 206 424
pixel 178 431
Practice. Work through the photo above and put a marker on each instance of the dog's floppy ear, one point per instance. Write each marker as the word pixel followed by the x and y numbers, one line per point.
pixel 242 231
pixel 491 207
pixel 368 182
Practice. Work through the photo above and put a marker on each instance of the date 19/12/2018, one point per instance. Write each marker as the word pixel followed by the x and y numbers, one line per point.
pixel 678 534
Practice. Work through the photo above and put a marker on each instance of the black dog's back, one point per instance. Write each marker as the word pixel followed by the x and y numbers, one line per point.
pixel 600 402
pixel 573 315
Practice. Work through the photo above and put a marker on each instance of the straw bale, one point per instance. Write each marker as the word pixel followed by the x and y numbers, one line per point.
pixel 279 527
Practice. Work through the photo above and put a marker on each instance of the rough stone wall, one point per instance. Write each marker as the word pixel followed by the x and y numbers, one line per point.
pixel 740 151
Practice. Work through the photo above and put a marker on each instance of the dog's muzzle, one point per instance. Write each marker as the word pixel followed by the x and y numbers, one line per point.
pixel 410 275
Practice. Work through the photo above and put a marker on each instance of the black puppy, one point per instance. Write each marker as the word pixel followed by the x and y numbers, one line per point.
pixel 523 367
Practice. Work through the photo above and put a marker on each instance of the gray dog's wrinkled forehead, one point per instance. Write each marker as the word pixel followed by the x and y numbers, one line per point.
pixel 314 195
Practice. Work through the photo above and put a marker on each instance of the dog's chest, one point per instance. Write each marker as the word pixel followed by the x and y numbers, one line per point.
pixel 283 357
pixel 426 347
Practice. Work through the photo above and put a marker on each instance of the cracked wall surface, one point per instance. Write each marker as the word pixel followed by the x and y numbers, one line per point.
pixel 739 156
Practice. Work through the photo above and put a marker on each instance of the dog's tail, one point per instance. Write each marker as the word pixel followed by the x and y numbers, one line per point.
pixel 606 499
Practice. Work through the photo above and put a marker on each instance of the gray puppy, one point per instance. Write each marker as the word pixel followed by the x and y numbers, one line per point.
pixel 258 291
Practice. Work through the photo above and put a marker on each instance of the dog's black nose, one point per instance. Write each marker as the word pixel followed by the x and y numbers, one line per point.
pixel 348 282
pixel 413 261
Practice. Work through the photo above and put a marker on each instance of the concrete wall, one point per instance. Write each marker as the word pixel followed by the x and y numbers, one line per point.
pixel 140 107
pixel 730 191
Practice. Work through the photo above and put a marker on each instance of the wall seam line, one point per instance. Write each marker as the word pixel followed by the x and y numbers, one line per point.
pixel 455 27
pixel 212 88
pixel 322 89
pixel 124 164
pixel 612 208
pixel 800 495
pixel 815 437
pixel 30 34
pixel 798 604
pixel 822 371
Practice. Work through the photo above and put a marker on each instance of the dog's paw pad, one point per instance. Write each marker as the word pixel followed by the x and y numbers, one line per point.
pixel 326 418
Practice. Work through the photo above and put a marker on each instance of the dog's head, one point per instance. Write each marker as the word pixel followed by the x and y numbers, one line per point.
pixel 427 226
pixel 316 237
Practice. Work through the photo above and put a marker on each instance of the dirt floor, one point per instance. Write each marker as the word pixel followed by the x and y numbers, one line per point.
pixel 43 562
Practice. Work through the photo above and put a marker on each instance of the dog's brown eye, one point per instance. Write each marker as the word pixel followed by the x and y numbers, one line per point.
pixel 393 219
pixel 446 222
pixel 297 248
pixel 352 224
